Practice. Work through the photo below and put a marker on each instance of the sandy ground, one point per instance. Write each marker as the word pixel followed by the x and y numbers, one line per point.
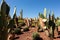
pixel 28 35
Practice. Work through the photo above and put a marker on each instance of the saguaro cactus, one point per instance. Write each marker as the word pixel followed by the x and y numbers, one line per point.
pixel 45 15
pixel 21 14
pixel 4 13
pixel 51 25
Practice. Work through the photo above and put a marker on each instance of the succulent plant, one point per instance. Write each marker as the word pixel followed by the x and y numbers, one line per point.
pixel 26 29
pixel 17 31
pixel 35 36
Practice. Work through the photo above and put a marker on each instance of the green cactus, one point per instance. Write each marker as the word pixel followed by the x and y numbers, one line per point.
pixel 21 14
pixel 51 17
pixel 4 13
pixel 35 36
pixel 41 15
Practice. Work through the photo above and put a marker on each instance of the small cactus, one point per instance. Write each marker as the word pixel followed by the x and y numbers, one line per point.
pixel 26 29
pixel 35 36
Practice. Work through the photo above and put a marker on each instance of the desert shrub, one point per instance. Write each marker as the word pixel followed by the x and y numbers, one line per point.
pixel 35 36
pixel 26 29
pixel 17 31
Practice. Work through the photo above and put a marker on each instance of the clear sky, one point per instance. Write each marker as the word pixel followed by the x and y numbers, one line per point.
pixel 31 8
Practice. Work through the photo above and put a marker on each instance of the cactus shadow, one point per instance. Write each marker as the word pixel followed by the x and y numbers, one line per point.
pixel 58 32
pixel 58 37
pixel 39 38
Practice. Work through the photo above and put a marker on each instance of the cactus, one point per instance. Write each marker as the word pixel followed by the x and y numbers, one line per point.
pixel 26 29
pixel 21 15
pixel 41 15
pixel 17 31
pixel 53 16
pixel 4 13
pixel 35 36
pixel 45 15
pixel 14 16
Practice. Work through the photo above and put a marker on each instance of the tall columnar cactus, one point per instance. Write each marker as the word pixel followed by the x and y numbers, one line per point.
pixel 45 15
pixel 21 14
pixel 41 15
pixel 4 13
pixel 53 16
pixel 52 25
pixel 57 18
pixel 14 16
pixel 49 17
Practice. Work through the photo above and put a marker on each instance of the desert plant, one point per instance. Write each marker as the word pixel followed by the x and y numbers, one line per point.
pixel 26 29
pixel 19 20
pixel 33 25
pixel 22 24
pixel 41 15
pixel 58 23
pixel 38 27
pixel 17 31
pixel 53 18
pixel 35 36
pixel 21 14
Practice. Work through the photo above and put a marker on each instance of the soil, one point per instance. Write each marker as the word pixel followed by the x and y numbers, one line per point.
pixel 28 35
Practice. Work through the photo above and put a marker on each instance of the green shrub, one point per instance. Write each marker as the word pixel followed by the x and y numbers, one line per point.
pixel 26 29
pixel 35 36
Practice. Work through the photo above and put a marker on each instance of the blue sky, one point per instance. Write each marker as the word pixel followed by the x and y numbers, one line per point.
pixel 31 8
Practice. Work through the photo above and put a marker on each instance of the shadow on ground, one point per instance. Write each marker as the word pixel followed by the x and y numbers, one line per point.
pixel 38 39
pixel 58 37
pixel 16 37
